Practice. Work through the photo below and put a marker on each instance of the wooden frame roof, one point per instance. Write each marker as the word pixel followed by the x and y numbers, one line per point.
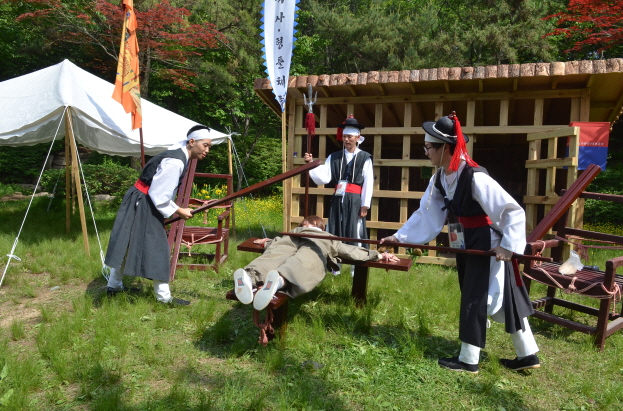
pixel 602 80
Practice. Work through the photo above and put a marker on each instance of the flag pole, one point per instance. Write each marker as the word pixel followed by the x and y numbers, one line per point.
pixel 140 130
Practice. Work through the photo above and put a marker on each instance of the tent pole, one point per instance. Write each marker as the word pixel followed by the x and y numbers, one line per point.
pixel 67 175
pixel 76 174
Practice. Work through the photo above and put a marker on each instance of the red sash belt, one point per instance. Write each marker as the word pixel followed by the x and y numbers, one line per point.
pixel 475 221
pixel 353 188
pixel 141 186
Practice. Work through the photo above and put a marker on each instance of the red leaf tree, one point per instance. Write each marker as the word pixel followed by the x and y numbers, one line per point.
pixel 591 25
pixel 170 44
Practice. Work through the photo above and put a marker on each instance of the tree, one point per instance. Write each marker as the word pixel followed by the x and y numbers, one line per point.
pixel 353 36
pixel 169 43
pixel 590 28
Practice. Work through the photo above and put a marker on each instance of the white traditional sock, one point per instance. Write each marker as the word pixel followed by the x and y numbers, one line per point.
pixel 115 281
pixel 162 291
pixel 470 354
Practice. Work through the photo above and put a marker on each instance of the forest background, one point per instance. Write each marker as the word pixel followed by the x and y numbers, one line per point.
pixel 199 58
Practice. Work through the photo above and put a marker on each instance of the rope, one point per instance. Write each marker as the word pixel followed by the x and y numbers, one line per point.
pixel 104 271
pixel 582 248
pixel 12 255
pixel 615 294
pixel 265 327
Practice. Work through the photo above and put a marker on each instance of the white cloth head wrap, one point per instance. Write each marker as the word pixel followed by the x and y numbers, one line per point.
pixel 433 139
pixel 354 130
pixel 200 134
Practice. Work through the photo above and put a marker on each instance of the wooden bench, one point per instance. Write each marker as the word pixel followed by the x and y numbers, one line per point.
pixel 605 285
pixel 277 309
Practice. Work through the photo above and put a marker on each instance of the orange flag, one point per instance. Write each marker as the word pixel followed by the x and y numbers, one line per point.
pixel 127 85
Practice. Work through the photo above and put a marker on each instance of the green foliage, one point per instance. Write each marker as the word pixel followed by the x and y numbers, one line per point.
pixel 106 178
pixel 23 164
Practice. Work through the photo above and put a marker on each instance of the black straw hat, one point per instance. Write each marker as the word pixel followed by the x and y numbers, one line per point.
pixel 351 122
pixel 443 129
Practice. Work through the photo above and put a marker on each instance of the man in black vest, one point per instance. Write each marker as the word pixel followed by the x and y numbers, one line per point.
pixel 138 244
pixel 350 170
pixel 481 215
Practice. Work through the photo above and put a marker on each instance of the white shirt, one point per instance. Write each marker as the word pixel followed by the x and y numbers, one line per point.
pixel 322 175
pixel 164 183
pixel 505 214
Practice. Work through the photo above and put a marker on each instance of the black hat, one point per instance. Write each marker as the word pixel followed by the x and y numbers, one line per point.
pixel 351 122
pixel 443 129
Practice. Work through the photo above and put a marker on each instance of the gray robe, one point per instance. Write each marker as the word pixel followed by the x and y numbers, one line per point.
pixel 303 262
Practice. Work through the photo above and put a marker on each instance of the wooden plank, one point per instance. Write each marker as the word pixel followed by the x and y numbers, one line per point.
pixel 504 106
pixel 406 156
pixel 438 110
pixel 555 162
pixel 450 262
pixel 554 133
pixel 563 204
pixel 470 122
pixel 551 200
pixel 466 130
pixel 585 104
pixel 414 195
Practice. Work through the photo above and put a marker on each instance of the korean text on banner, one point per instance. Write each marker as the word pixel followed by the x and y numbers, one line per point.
pixel 278 32
pixel 127 87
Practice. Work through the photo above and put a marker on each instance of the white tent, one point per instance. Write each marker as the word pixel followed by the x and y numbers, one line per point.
pixel 32 107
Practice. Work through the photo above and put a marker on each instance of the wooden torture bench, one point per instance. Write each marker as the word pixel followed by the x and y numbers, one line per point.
pixel 182 234
pixel 277 309
pixel 605 285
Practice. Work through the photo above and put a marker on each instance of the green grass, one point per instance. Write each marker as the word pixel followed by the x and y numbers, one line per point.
pixel 65 345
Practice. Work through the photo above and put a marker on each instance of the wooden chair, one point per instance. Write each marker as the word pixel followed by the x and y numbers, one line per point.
pixel 605 285
pixel 182 234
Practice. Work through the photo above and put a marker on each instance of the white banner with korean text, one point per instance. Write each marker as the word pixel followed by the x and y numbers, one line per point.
pixel 278 40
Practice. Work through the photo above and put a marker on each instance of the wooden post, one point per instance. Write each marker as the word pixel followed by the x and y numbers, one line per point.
pixel 404 182
pixel 376 155
pixel 322 153
pixel 76 174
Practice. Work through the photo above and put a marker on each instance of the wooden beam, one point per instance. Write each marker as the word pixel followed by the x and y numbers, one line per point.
pixel 585 105
pixel 493 95
pixel 467 130
pixel 554 162
pixel 559 132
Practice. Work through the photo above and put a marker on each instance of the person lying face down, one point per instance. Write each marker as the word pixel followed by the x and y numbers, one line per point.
pixel 296 265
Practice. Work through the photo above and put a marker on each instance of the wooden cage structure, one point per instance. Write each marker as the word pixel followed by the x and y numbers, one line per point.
pixel 517 117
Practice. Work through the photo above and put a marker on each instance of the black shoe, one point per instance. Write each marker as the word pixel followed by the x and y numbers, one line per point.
pixel 526 363
pixel 177 301
pixel 112 291
pixel 455 365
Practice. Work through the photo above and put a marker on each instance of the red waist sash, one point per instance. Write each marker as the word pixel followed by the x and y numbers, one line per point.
pixel 475 221
pixel 141 186
pixel 353 188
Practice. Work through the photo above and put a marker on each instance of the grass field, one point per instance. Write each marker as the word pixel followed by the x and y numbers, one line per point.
pixel 65 345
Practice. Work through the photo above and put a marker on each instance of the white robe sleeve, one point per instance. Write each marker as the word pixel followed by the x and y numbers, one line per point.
pixel 163 185
pixel 368 184
pixel 507 216
pixel 427 221
pixel 322 173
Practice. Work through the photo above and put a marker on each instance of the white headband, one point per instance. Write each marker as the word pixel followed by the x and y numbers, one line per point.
pixel 199 134
pixel 351 130
pixel 433 139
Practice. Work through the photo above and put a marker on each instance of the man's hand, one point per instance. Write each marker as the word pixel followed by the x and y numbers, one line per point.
pixel 391 238
pixel 184 213
pixel 388 257
pixel 261 241
pixel 308 157
pixel 502 254
pixel 363 212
